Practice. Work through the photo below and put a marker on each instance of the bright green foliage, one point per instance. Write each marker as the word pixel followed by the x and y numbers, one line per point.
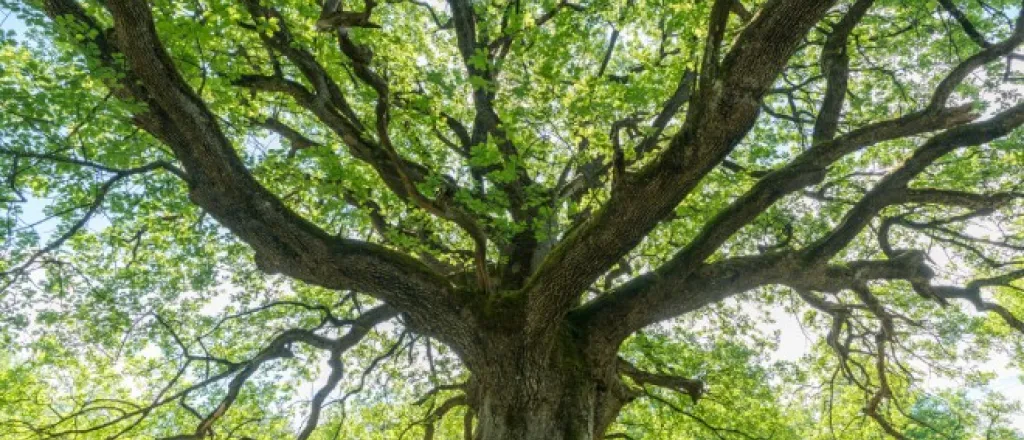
pixel 105 281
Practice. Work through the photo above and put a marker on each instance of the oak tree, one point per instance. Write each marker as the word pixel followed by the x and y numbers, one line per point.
pixel 507 219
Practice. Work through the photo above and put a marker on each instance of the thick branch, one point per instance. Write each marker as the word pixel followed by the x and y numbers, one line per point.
pixel 835 65
pixel 328 104
pixel 972 293
pixel 965 23
pixel 692 387
pixel 674 289
pixel 718 122
pixel 810 167
pixel 660 295
pixel 219 182
pixel 801 172
pixel 888 190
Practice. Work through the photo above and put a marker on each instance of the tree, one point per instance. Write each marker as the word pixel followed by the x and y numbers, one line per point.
pixel 507 192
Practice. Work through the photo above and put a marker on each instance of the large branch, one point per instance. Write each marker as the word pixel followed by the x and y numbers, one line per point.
pixel 890 188
pixel 218 181
pixel 590 173
pixel 666 292
pixel 328 104
pixel 718 121
pixel 810 167
pixel 656 296
pixel 972 293
pixel 965 23
pixel 835 65
pixel 692 387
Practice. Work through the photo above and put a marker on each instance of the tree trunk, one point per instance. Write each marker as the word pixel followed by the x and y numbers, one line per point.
pixel 559 395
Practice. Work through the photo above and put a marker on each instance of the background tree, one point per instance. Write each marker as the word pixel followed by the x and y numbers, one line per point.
pixel 507 219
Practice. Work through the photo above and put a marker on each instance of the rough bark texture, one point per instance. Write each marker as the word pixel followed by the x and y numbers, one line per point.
pixel 565 394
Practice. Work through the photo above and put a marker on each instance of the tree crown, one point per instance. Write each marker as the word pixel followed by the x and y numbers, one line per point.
pixel 211 202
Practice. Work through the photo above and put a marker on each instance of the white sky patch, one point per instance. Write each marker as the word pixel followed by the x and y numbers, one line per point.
pixel 796 341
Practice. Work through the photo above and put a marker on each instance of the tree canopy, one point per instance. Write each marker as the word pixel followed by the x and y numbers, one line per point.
pixel 510 219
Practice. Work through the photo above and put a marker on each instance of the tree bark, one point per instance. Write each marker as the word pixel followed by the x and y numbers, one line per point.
pixel 564 394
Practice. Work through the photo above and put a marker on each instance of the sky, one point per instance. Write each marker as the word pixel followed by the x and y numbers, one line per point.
pixel 794 341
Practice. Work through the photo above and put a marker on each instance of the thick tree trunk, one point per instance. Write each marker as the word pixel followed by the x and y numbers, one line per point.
pixel 559 395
